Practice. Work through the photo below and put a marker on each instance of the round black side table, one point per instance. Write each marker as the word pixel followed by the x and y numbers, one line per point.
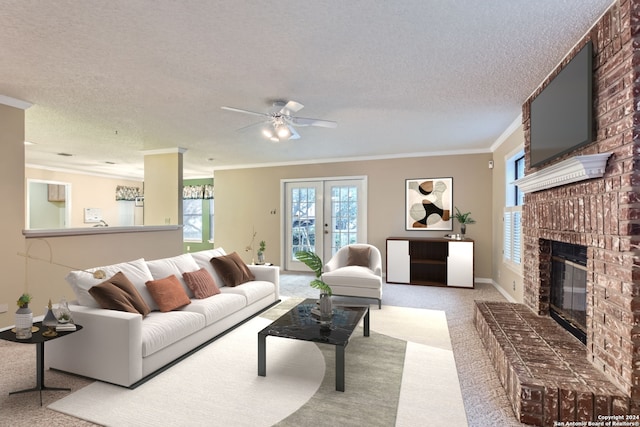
pixel 38 339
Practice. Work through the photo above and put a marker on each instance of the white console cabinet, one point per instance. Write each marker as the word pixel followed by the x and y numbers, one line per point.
pixel 430 261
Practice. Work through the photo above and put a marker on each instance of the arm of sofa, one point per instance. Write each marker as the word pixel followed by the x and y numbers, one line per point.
pixel 267 273
pixel 107 348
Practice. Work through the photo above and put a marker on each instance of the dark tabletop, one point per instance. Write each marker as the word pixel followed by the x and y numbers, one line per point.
pixel 37 337
pixel 298 323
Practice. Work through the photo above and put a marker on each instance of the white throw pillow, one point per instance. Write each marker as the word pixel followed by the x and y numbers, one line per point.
pixel 136 271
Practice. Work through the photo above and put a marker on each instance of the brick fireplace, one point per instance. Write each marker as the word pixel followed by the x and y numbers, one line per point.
pixel 601 214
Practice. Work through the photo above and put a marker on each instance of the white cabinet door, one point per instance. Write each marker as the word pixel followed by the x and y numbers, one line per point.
pixel 460 264
pixel 398 261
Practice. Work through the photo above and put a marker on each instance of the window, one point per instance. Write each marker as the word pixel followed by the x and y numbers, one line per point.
pixel 192 220
pixel 197 211
pixel 512 248
pixel 197 217
pixel 210 219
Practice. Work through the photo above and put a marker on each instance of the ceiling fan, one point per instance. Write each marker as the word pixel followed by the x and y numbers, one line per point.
pixel 280 125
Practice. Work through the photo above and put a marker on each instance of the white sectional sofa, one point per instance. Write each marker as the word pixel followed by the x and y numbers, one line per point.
pixel 126 348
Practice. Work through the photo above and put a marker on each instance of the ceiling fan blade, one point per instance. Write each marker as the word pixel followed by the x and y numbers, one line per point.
pixel 252 125
pixel 291 107
pixel 294 134
pixel 302 121
pixel 239 110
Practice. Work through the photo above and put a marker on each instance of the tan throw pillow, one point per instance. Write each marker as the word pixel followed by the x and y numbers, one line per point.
pixel 359 256
pixel 118 293
pixel 168 293
pixel 232 269
pixel 201 283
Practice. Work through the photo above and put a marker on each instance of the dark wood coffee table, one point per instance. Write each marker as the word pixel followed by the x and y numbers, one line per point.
pixel 38 339
pixel 299 324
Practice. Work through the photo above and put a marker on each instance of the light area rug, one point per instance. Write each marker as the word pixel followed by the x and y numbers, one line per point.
pixel 430 393
pixel 404 374
pixel 217 386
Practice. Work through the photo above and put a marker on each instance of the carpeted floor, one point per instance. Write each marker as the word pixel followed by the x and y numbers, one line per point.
pixel 386 379
pixel 484 399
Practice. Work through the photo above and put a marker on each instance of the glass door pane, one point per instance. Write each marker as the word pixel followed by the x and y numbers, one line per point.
pixel 302 199
pixel 344 216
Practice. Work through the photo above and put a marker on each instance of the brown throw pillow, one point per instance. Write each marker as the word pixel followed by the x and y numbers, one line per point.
pixel 168 293
pixel 118 293
pixel 201 283
pixel 232 269
pixel 359 256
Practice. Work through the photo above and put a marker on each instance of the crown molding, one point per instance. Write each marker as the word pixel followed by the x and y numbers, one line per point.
pixel 13 102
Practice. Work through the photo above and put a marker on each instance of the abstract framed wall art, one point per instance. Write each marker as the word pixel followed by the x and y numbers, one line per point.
pixel 428 204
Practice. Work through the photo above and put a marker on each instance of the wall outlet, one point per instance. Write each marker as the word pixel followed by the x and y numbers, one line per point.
pixel 188 248
pixel 514 285
pixel 4 308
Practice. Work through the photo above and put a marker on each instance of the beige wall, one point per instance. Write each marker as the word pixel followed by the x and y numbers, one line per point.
pixel 12 208
pixel 87 191
pixel 244 199
pixel 45 279
pixel 503 276
pixel 163 189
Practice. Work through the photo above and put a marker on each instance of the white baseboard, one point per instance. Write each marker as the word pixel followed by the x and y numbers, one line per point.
pixel 502 291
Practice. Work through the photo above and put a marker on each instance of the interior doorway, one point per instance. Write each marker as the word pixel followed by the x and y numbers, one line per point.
pixel 48 204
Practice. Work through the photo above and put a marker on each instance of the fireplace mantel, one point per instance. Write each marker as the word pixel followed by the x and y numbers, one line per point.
pixel 575 169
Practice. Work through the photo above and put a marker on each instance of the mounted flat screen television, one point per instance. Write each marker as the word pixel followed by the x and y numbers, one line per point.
pixel 562 114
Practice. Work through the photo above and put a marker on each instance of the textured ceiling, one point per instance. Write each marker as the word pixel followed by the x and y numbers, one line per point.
pixel 111 79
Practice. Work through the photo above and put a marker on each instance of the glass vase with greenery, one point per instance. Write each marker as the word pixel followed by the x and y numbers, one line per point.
pixel 261 248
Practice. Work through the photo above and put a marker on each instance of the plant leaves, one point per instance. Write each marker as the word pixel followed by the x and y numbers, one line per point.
pixel 311 260
pixel 319 284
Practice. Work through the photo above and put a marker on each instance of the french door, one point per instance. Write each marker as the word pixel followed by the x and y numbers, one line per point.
pixel 322 216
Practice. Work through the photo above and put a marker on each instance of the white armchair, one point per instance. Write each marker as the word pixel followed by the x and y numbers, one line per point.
pixel 355 271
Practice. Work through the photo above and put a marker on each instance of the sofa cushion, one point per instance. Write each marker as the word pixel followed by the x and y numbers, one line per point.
pixel 160 330
pixel 217 307
pixel 118 293
pixel 232 269
pixel 136 271
pixel 252 291
pixel 201 283
pixel 176 265
pixel 203 259
pixel 359 256
pixel 168 293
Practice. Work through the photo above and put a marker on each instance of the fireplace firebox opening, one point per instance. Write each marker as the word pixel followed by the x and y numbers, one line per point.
pixel 568 302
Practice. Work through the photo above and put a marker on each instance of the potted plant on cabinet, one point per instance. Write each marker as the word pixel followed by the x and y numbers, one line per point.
pixel 463 219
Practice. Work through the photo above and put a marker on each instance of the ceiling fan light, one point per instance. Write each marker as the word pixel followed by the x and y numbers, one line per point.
pixel 274 139
pixel 268 133
pixel 283 131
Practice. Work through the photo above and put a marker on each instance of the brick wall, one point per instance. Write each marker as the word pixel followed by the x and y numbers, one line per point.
pixel 602 214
